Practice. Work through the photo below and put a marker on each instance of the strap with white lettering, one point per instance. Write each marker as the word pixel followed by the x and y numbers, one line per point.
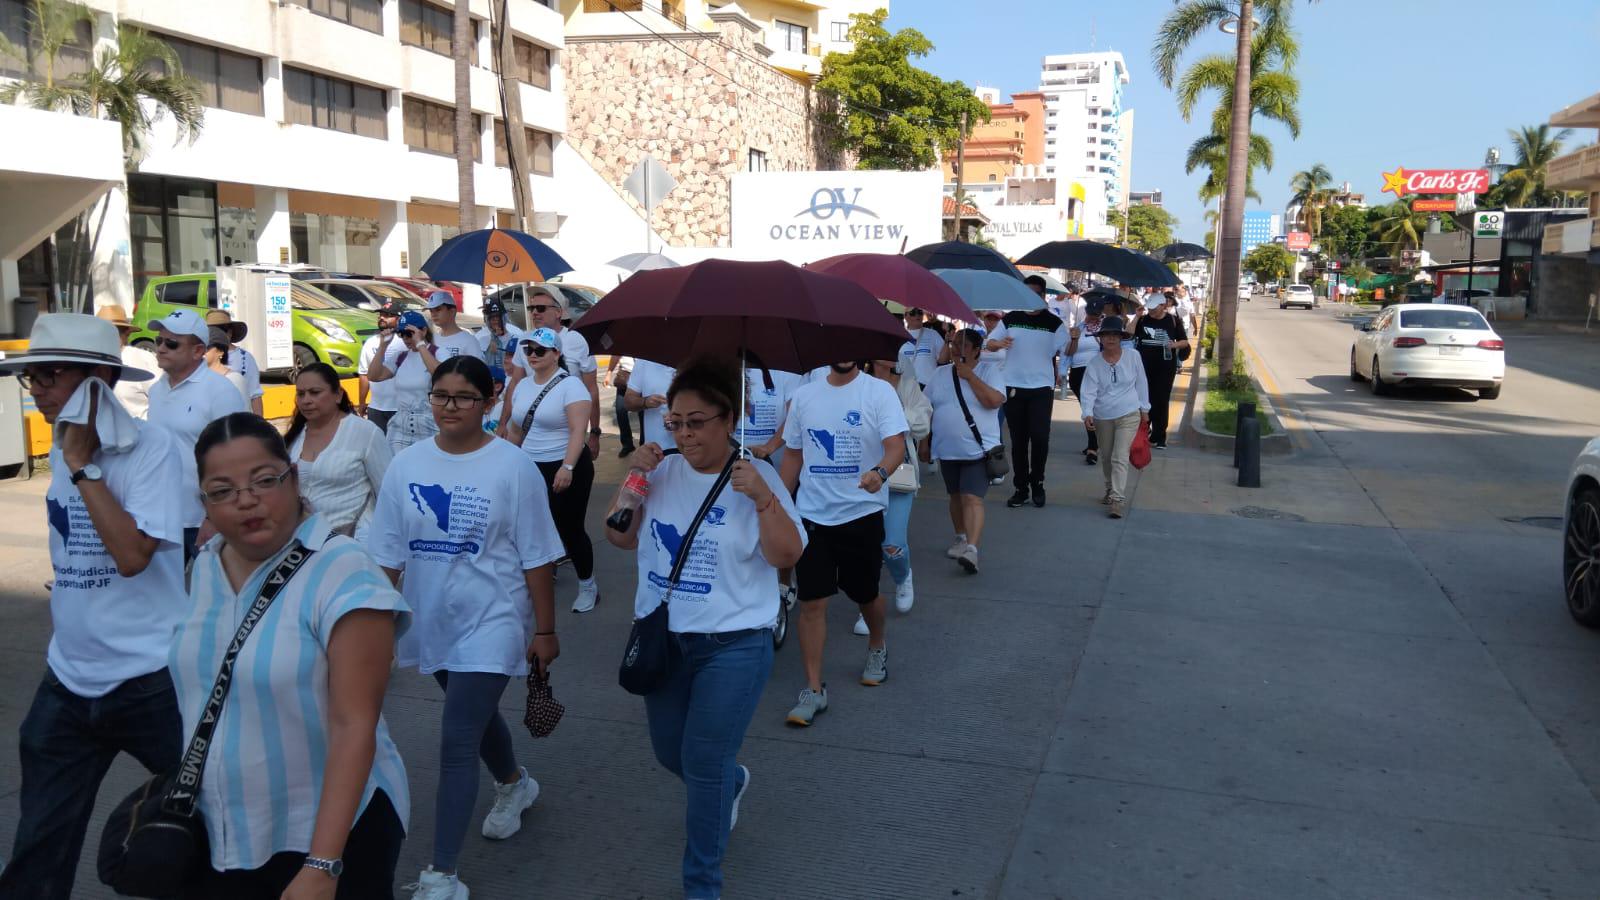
pixel 185 790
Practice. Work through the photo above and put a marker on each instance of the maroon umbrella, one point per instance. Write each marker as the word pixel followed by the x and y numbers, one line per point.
pixel 893 277
pixel 788 318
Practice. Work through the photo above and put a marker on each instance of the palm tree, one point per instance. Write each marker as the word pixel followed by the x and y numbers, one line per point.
pixel 1211 153
pixel 466 138
pixel 1401 229
pixel 1187 22
pixel 135 85
pixel 1535 147
pixel 1312 189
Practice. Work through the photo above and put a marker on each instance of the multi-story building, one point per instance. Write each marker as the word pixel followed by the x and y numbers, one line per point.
pixel 1144 198
pixel 1260 227
pixel 998 147
pixel 1567 278
pixel 328 139
pixel 1088 134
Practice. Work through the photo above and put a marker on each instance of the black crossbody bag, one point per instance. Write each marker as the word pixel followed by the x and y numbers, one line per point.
pixel 649 656
pixel 527 420
pixel 994 458
pixel 155 842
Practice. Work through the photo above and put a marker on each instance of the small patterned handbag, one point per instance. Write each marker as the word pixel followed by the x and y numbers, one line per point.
pixel 544 712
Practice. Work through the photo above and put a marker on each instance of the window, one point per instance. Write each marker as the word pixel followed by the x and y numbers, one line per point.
pixel 432 127
pixel 599 6
pixel 186 292
pixel 172 227
pixel 1460 319
pixel 364 14
pixel 788 36
pixel 991 176
pixel 839 32
pixel 541 151
pixel 17 26
pixel 429 27
pixel 324 102
pixel 531 63
pixel 226 80
pixel 758 160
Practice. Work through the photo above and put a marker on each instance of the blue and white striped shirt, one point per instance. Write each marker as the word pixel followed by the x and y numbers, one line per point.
pixel 263 777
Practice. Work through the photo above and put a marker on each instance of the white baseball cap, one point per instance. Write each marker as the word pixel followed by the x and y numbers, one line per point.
pixel 184 321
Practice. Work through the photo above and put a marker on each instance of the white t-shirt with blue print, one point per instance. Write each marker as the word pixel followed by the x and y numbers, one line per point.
pixel 840 432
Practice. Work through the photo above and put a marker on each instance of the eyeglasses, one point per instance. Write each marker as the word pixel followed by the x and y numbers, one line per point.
pixel 256 487
pixel 541 307
pixel 457 401
pixel 45 378
pixel 691 423
pixel 533 349
pixel 170 343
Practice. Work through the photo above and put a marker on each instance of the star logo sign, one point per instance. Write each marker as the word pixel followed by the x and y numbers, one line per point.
pixel 1396 182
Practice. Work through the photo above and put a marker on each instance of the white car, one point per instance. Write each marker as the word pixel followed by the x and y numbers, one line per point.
pixel 1429 343
pixel 1580 558
pixel 1244 290
pixel 1298 295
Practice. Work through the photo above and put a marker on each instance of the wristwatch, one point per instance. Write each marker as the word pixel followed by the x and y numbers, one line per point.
pixel 333 868
pixel 90 472
pixel 883 474
pixel 596 431
pixel 568 466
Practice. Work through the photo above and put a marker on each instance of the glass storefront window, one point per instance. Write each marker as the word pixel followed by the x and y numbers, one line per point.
pixel 336 243
pixel 423 239
pixel 173 226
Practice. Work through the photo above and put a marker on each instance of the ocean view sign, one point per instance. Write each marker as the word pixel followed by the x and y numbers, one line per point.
pixel 805 216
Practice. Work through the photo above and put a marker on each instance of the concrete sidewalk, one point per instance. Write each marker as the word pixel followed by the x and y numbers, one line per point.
pixel 1187 702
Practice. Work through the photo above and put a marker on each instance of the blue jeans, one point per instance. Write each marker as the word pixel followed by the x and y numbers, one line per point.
pixel 67 743
pixel 697 722
pixel 896 549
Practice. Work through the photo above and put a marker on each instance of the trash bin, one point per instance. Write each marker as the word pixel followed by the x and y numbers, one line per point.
pixel 23 311
pixel 13 441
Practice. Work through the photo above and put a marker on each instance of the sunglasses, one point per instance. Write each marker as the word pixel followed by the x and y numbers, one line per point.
pixel 541 307
pixel 45 378
pixel 169 343
pixel 692 423
pixel 538 350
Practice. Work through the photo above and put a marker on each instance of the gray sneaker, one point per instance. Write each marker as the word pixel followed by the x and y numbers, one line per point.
pixel 811 703
pixel 877 670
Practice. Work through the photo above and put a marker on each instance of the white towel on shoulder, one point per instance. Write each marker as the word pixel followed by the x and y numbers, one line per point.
pixel 118 429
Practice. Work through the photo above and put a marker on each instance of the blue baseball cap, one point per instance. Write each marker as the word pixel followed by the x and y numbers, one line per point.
pixel 413 319
pixel 510 345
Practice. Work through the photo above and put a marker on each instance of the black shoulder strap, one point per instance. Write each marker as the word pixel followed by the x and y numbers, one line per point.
pixel 185 790
pixel 967 412
pixel 699 516
pixel 527 420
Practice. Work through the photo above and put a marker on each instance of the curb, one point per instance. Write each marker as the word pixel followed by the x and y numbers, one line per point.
pixel 1275 444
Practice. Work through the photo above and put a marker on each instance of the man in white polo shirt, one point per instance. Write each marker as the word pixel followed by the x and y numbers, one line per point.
pixel 184 400
pixel 115 523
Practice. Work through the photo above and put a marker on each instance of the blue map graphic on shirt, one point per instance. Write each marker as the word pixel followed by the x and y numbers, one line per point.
pixel 715 515
pixel 60 519
pixel 432 498
pixel 853 418
pixel 666 536
pixel 823 438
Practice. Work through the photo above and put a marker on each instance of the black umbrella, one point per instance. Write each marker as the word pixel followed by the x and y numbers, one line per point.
pixel 962 255
pixel 1124 266
pixel 1182 252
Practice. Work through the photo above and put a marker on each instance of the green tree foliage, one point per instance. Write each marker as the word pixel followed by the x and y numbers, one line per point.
pixel 1269 262
pixel 1399 228
pixel 888 112
pixel 1149 227
pixel 1346 233
pixel 1524 185
pixel 1312 188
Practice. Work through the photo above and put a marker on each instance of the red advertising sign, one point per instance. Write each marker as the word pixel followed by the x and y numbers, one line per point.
pixel 1298 240
pixel 1433 205
pixel 1403 181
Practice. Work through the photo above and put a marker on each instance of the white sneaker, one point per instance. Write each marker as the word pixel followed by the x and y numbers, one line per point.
pixel 588 596
pixel 861 625
pixel 437 886
pixel 955 549
pixel 737 796
pixel 969 559
pixel 510 801
pixel 904 596
pixel 1000 480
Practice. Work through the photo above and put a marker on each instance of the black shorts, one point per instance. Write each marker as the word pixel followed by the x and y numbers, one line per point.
pixel 845 558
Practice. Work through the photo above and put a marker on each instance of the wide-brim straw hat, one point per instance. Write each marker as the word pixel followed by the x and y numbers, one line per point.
pixel 219 318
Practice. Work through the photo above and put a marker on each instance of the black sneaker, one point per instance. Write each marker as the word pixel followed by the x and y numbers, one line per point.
pixel 1038 495
pixel 1018 499
pixel 1159 445
pixel 623 452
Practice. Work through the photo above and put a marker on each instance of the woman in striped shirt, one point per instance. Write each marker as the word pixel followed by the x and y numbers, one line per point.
pixel 341 457
pixel 303 793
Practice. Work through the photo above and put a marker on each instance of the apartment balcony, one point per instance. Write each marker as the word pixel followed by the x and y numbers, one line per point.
pixel 807 64
pixel 1574 237
pixel 1583 114
pixel 1578 171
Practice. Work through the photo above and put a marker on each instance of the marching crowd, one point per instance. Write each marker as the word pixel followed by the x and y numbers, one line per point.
pixel 228 602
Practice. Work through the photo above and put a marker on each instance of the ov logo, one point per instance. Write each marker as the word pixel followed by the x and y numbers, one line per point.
pixel 827 201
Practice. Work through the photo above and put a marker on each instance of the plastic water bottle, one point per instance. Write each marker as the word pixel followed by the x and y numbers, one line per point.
pixel 635 488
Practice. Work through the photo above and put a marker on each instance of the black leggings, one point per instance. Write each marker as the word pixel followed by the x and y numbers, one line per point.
pixel 1160 377
pixel 370 854
pixel 1075 378
pixel 569 507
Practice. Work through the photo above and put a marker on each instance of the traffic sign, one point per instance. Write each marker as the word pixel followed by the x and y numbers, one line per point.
pixel 1488 223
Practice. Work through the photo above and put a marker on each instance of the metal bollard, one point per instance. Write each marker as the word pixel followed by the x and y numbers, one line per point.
pixel 1246 410
pixel 1247 444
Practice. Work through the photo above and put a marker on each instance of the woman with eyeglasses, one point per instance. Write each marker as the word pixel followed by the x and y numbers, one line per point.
pixel 549 413
pixel 410 377
pixel 303 791
pixel 463 516
pixel 722 612
pixel 341 456
pixel 1115 402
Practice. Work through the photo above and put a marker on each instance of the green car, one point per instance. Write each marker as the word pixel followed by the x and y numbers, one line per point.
pixel 325 329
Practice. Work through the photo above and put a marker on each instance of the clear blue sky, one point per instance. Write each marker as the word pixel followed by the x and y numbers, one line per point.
pixel 1384 83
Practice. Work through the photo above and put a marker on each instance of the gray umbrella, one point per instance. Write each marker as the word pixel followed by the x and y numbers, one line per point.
pixel 641 262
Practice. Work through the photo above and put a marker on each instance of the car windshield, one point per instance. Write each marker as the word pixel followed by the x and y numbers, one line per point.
pixel 305 296
pixel 1464 319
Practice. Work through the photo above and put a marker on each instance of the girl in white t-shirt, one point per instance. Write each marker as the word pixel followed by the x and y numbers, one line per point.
pixel 549 417
pixel 463 516
pixel 722 609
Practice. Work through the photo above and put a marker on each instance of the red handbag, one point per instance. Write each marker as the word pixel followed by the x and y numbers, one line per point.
pixel 1139 453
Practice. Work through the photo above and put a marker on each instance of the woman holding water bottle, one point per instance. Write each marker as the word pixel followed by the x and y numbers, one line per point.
pixel 722 627
pixel 1161 341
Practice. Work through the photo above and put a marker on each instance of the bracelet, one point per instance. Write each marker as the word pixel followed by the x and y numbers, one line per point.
pixel 770 500
pixel 544 634
pixel 596 431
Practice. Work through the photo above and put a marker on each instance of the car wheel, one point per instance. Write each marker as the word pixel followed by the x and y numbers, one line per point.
pixel 1355 374
pixel 304 356
pixel 1378 387
pixel 780 628
pixel 146 345
pixel 1489 393
pixel 1580 558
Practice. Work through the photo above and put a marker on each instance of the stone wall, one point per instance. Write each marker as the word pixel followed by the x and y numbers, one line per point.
pixel 627 97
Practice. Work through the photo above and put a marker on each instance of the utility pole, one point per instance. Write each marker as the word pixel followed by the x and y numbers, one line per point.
pixel 961 177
